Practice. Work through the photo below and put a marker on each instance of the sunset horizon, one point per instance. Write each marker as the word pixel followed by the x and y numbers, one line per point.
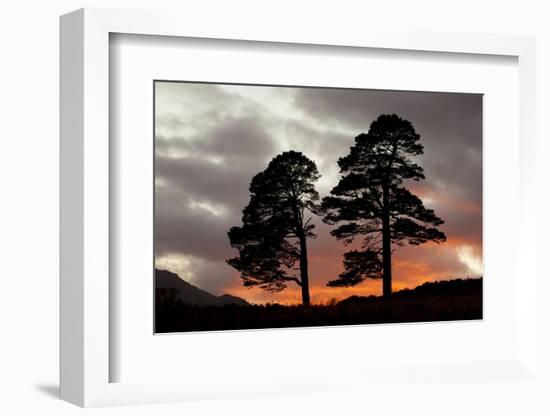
pixel 293 297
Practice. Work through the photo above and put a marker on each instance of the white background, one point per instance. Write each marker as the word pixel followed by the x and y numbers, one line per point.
pixel 29 209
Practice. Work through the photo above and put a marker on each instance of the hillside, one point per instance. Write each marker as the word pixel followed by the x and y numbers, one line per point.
pixel 453 300
pixel 436 290
pixel 170 288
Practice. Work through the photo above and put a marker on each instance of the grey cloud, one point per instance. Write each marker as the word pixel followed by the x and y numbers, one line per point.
pixel 449 125
pixel 203 171
pixel 215 277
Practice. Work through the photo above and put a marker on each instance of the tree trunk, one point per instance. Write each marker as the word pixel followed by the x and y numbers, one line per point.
pixel 386 243
pixel 304 277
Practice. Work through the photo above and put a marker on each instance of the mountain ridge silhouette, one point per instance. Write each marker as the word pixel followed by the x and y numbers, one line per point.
pixel 190 294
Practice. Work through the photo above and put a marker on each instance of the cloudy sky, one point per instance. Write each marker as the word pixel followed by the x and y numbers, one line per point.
pixel 210 140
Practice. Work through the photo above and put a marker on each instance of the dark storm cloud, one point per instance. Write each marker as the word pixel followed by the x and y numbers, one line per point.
pixel 215 166
pixel 203 181
pixel 200 194
pixel 449 126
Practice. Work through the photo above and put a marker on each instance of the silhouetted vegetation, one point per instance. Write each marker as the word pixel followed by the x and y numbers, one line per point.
pixel 459 299
pixel 276 226
pixel 370 201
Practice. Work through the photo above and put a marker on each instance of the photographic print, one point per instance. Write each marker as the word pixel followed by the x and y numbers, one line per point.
pixel 279 207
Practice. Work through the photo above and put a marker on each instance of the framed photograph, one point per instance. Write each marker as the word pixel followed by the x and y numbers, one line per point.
pixel 292 211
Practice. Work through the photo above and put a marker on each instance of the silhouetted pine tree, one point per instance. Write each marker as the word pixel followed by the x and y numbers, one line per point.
pixel 371 203
pixel 276 225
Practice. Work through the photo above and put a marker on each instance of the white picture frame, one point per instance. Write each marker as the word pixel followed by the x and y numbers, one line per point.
pixel 85 217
